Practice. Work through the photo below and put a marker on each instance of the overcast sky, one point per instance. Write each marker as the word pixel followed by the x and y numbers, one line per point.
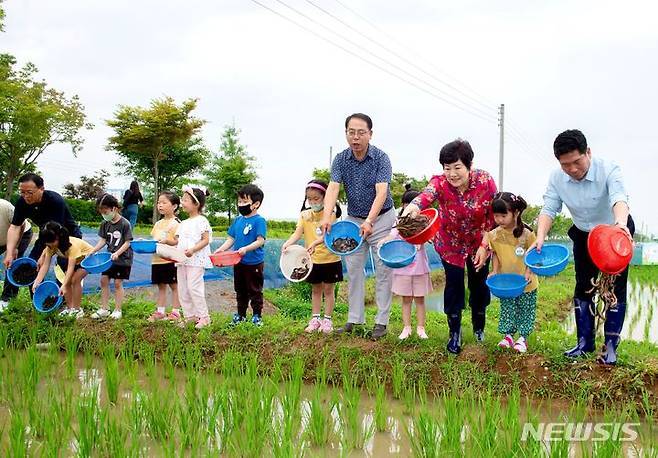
pixel 555 65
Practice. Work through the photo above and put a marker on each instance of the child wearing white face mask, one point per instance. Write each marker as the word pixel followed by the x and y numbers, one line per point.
pixel 114 232
pixel 327 268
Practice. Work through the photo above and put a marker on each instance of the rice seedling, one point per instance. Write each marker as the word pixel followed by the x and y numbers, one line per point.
pixel 318 421
pixel 193 412
pixel 322 372
pixel 111 374
pixel 453 423
pixel 71 345
pixel 398 378
pixel 168 361
pixel 409 398
pixel 17 436
pixel 135 415
pixel 31 370
pixel 193 358
pixel 113 437
pixel 355 432
pixel 381 411
pixel 89 421
pixel 4 341
pixel 485 424
pixel 424 433
pixel 158 408
pixel 37 418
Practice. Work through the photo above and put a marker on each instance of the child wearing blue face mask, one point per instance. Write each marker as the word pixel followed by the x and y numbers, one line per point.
pixel 327 268
pixel 247 236
pixel 114 232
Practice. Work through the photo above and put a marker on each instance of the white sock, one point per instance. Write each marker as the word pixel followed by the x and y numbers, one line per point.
pixel 161 309
pixel 316 315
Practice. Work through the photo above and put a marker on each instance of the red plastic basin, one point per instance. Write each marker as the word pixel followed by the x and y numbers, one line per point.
pixel 428 233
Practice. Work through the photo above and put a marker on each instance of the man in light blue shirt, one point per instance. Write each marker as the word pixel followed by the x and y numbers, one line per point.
pixel 593 191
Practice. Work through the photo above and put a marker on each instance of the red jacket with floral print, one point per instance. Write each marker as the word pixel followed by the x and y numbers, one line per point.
pixel 464 217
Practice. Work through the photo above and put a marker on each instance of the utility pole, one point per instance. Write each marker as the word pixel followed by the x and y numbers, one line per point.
pixel 501 147
pixel 331 156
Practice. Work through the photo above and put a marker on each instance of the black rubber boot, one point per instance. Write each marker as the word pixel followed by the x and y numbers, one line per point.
pixel 584 329
pixel 455 327
pixel 614 322
pixel 478 319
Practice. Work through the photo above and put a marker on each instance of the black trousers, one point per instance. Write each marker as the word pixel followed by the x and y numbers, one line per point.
pixel 8 290
pixel 248 283
pixel 454 294
pixel 586 271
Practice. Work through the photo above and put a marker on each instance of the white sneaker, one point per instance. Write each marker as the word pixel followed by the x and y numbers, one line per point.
pixel 521 345
pixel 116 315
pixel 3 306
pixel 100 313
pixel 77 313
pixel 65 312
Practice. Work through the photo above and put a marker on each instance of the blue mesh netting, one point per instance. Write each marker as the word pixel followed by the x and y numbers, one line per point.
pixel 140 274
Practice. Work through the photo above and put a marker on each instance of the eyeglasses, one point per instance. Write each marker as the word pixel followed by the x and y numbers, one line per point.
pixel 356 133
pixel 29 193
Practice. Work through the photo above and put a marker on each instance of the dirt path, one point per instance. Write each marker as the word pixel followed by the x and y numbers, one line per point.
pixel 220 297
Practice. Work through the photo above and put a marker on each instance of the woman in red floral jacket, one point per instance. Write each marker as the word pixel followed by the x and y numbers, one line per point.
pixel 464 197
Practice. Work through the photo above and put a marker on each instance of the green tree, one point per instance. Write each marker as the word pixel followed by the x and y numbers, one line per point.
pixel 325 175
pixel 398 181
pixel 228 171
pixel 32 118
pixel 89 188
pixel 2 17
pixel 180 162
pixel 149 134
pixel 559 228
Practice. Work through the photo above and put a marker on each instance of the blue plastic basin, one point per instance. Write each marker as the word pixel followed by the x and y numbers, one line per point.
pixel 551 261
pixel 143 246
pixel 507 285
pixel 17 263
pixel 342 229
pixel 397 253
pixel 97 263
pixel 43 291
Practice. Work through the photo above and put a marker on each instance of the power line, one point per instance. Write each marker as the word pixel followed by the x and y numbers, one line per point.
pixel 489 104
pixel 361 58
pixel 404 59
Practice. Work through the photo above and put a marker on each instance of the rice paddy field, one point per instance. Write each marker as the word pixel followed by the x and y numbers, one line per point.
pixel 133 388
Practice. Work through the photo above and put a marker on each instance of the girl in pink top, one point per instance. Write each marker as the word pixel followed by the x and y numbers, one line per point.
pixel 413 281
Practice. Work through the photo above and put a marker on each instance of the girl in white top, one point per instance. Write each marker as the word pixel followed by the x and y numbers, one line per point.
pixel 193 237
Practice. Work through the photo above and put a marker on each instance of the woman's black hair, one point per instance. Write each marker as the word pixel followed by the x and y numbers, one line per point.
pixel 107 201
pixel 172 197
pixel 200 197
pixel 324 184
pixel 504 202
pixel 55 232
pixel 408 195
pixel 457 150
pixel 134 188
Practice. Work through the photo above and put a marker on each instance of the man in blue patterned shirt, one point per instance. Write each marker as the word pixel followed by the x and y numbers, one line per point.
pixel 593 190
pixel 366 173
